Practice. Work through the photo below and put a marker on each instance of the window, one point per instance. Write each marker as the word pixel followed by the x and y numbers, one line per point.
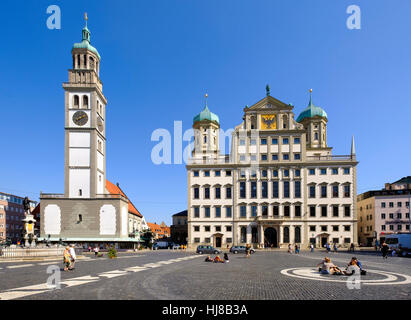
pixel 286 189
pixel 391 227
pixel 264 173
pixel 323 191
pixel 243 234
pixel 297 189
pixel 264 141
pixel 207 240
pixel 286 235
pixel 347 228
pixel 228 228
pixel 347 211
pixel 274 157
pixel 285 141
pixel 229 240
pixel 286 211
pixel 347 191
pixel 264 210
pixel 383 227
pixel 243 211
pixel 196 240
pixel 323 211
pixel 297 173
pixel 297 156
pixel 263 157
pixel 228 173
pixel 335 191
pixel 335 228
pixel 297 211
pixel 253 173
pixel 228 212
pixel 242 173
pixel 228 192
pixel 399 204
pixel 399 227
pixel 346 170
pixel 324 228
pixel 253 211
pixel 334 171
pixel 218 193
pixel 207 228
pixel 286 156
pixel 335 211
pixel 196 173
pixel 296 140
pixel 275 189
pixel 242 142
pixel 85 102
pixel 264 189
pixel 311 172
pixel 383 216
pixel 274 141
pixel 218 228
pixel 276 210
pixel 399 216
pixel 242 158
pixel 316 136
pixel 76 102
pixel 312 191
pixel 207 212
pixel 297 235
pixel 253 142
pixel 253 189
pixel 382 204
pixel 391 204
pixel 286 173
pixel 312 211
pixel 196 212
pixel 218 212
pixel 336 240
pixel 347 240
pixel 254 235
pixel 218 173
pixel 196 228
pixel 391 216
pixel 242 190
pixel 206 193
pixel 323 171
pixel 312 228
pixel 207 173
pixel 275 173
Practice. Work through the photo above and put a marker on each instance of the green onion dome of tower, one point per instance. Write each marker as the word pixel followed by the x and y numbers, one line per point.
pixel 311 111
pixel 85 43
pixel 206 114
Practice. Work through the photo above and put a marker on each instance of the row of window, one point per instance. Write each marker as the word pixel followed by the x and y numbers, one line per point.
pixel 334 228
pixel 391 216
pixel 216 228
pixel 12 209
pixel 208 240
pixel 274 157
pixel 10 198
pixel 391 204
pixel 265 210
pixel 274 141
pixel 275 172
pixel 399 227
pixel 264 194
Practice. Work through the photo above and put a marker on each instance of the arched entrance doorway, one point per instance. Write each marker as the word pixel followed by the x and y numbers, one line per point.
pixel 270 237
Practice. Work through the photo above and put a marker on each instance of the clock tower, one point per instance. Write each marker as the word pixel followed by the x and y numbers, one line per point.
pixel 85 110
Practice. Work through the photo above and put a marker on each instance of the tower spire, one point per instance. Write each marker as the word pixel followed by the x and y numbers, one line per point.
pixel 311 97
pixel 206 96
pixel 85 18
pixel 267 89
pixel 352 146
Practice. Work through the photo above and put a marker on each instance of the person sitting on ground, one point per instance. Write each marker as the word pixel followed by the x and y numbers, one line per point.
pixel 218 259
pixel 226 258
pixel 352 268
pixel 208 259
pixel 327 267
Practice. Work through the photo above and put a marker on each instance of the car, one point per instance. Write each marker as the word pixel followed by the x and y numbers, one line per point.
pixel 207 249
pixel 400 242
pixel 240 249
pixel 161 245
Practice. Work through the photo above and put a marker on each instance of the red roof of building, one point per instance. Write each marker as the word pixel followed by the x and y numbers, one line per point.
pixel 161 231
pixel 113 189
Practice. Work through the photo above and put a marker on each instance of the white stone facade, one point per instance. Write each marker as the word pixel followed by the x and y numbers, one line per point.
pixel 262 192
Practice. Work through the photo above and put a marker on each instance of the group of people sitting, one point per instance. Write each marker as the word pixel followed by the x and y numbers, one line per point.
pixel 217 259
pixel 354 267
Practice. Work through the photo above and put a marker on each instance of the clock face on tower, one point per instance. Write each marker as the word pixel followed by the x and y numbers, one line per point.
pixel 100 125
pixel 80 118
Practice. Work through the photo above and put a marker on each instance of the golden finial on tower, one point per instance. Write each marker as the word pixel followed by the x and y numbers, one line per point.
pixel 85 17
pixel 311 90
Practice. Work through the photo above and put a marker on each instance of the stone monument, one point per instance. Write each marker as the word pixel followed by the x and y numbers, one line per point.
pixel 29 223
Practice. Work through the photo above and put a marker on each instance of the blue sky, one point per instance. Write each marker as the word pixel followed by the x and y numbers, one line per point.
pixel 160 57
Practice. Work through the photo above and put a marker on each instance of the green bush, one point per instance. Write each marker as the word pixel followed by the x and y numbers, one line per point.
pixel 112 253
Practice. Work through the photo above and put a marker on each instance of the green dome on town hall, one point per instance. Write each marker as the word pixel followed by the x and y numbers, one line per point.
pixel 206 114
pixel 85 43
pixel 311 111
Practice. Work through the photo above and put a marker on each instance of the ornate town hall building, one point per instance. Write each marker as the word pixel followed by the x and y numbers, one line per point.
pixel 280 184
pixel 92 209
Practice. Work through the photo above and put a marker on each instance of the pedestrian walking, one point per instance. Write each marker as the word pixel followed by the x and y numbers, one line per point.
pixel 66 258
pixel 296 249
pixel 96 250
pixel 73 257
pixel 289 249
pixel 352 247
pixel 247 250
pixel 327 247
pixel 335 248
pixel 384 250
pixel 312 247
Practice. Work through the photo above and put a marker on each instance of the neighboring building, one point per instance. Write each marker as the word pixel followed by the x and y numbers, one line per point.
pixel 179 228
pixel 91 210
pixel 280 184
pixel 11 216
pixel 159 231
pixel 382 212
